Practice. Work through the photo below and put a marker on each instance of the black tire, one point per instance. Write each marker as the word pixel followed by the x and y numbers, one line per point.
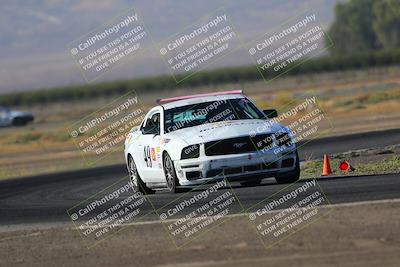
pixel 19 122
pixel 170 174
pixel 134 176
pixel 292 176
pixel 251 183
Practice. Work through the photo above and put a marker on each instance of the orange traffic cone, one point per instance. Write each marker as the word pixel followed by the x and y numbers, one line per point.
pixel 326 168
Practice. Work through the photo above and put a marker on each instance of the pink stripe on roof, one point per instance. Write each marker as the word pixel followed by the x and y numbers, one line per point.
pixel 172 99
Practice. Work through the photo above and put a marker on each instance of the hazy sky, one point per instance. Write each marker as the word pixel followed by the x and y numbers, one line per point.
pixel 34 34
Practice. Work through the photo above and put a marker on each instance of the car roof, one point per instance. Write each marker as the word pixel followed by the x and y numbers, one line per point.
pixel 203 99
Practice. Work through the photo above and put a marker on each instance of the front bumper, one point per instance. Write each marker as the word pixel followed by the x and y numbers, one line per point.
pixel 237 167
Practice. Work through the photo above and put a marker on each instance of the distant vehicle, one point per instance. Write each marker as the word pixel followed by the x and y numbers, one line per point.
pixel 187 141
pixel 14 118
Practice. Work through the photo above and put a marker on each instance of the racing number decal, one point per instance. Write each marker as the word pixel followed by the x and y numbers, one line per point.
pixel 147 156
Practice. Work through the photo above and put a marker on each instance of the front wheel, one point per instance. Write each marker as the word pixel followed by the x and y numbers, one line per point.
pixel 137 183
pixel 170 174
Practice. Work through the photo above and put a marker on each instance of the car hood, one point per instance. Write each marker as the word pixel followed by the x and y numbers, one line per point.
pixel 223 130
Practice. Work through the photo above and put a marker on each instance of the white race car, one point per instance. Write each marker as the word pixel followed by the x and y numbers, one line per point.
pixel 191 140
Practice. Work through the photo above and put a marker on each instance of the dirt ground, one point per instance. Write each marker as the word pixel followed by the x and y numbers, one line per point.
pixel 366 234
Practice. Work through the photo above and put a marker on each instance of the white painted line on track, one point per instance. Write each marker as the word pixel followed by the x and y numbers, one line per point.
pixel 359 203
pixel 66 225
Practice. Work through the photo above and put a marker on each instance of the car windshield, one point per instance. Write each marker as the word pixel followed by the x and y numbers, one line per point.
pixel 209 112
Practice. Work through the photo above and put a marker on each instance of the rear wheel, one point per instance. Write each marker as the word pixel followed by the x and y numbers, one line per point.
pixel 134 176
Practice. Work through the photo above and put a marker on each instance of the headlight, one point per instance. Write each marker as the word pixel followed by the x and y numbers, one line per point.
pixel 190 152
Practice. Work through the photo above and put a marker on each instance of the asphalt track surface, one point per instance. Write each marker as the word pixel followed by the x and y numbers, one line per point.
pixel 46 198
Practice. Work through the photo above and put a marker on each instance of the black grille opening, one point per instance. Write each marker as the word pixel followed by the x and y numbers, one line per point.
pixel 283 139
pixel 193 175
pixel 238 145
pixel 287 163
pixel 242 169
pixel 263 142
pixel 190 166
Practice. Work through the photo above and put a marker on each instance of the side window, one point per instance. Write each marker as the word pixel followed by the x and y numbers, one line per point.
pixel 152 125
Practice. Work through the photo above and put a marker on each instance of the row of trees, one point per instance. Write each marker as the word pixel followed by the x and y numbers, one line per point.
pixel 356 60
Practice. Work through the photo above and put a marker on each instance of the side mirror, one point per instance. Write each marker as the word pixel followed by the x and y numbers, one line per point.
pixel 270 113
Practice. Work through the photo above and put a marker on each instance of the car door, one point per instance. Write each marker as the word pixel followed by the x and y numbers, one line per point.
pixel 149 147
